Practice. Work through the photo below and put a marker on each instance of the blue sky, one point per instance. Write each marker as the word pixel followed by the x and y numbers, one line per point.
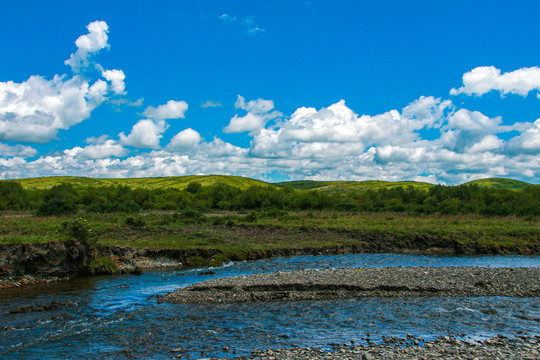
pixel 443 92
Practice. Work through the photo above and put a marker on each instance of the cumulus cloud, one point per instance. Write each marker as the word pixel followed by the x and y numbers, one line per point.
pixel 259 112
pixel 89 44
pixel 338 124
pixel 527 142
pixel 17 150
pixel 145 134
pixel 184 140
pixel 116 77
pixel 33 111
pixel 171 110
pixel 101 148
pixel 484 79
pixel 465 129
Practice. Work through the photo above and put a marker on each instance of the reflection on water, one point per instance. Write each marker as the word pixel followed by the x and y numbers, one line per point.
pixel 118 317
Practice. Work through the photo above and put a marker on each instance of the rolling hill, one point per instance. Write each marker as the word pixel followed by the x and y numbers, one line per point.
pixel 500 183
pixel 178 182
pixel 181 182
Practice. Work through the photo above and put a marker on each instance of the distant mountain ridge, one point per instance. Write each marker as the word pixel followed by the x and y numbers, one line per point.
pixel 181 182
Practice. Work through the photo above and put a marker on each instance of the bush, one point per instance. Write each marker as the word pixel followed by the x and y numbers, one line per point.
pixel 218 260
pixel 81 230
pixel 196 261
pixel 227 220
pixel 136 222
pixel 102 266
pixel 190 216
pixel 193 187
pixel 57 206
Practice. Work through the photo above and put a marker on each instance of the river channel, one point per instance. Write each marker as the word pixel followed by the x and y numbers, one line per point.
pixel 119 317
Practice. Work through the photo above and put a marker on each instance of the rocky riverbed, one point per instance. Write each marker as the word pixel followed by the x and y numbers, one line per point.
pixel 365 282
pixel 500 348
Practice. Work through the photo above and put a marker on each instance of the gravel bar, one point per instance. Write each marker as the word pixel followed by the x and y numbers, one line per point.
pixel 365 282
pixel 499 348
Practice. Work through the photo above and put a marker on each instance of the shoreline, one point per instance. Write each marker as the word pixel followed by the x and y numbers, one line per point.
pixel 29 264
pixel 366 282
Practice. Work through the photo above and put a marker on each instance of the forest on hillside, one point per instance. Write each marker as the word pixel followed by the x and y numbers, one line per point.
pixel 463 199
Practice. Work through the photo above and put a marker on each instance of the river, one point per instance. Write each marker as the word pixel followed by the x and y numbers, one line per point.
pixel 119 317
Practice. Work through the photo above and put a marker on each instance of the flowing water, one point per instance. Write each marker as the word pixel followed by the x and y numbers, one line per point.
pixel 119 317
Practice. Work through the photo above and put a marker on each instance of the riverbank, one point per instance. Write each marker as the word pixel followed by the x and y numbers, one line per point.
pixel 366 282
pixel 443 348
pixel 37 249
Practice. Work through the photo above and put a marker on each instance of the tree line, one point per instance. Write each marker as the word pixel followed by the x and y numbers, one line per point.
pixel 462 199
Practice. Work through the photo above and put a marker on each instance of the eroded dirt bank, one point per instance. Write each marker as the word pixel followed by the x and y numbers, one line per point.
pixel 22 264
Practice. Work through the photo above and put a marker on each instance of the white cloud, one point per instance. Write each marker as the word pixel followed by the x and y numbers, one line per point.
pixel 184 140
pixel 338 124
pixel 473 121
pixel 259 113
pixel 527 142
pixel 465 129
pixel 258 106
pixel 145 134
pixel 116 77
pixel 483 79
pixel 17 150
pixel 101 148
pixel 488 143
pixel 171 110
pixel 211 104
pixel 93 42
pixel 248 122
pixel 33 111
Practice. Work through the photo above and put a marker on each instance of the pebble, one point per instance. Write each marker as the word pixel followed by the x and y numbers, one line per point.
pixel 355 283
pixel 443 348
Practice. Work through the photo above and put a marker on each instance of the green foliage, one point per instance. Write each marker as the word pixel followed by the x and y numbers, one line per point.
pixel 190 216
pixel 500 183
pixel 13 196
pixel 81 230
pixel 193 187
pixel 56 207
pixel 218 260
pixel 192 195
pixel 196 261
pixel 102 266
pixel 135 222
pixel 58 200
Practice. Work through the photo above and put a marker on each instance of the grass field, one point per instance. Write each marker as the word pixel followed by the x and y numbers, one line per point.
pixel 232 231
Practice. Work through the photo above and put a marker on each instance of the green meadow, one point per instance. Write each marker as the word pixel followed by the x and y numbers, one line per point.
pixel 234 213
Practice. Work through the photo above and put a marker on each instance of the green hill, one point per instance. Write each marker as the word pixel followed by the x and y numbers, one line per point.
pixel 338 186
pixel 179 182
pixel 500 183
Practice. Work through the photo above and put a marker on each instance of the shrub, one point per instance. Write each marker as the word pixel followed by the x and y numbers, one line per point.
pixel 193 187
pixel 57 206
pixel 136 222
pixel 218 260
pixel 81 230
pixel 196 261
pixel 102 266
pixel 190 216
